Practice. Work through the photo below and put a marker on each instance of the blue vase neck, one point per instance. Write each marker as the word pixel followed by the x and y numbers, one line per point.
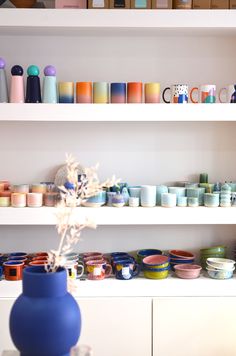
pixel 38 283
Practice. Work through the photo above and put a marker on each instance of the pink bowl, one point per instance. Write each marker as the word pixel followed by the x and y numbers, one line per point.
pixel 187 271
pixel 182 254
pixel 155 260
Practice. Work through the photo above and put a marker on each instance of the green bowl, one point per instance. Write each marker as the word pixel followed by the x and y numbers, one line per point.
pixel 156 275
pixel 213 250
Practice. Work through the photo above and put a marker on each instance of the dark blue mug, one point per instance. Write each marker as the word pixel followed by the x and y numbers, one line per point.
pixel 126 269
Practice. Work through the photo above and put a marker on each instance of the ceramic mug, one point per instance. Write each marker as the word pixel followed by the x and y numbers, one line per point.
pixel 179 94
pixel 13 270
pixel 100 93
pixel 230 96
pixel 125 269
pixel 73 269
pixel 98 270
pixel 206 94
pixel 152 93
pixel 92 256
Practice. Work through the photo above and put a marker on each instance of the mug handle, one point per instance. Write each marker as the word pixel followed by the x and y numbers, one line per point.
pixel 82 271
pixel 221 91
pixel 108 270
pixel 163 95
pixel 191 95
pixel 136 270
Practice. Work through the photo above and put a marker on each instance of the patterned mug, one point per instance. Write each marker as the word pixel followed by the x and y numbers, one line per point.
pixel 206 94
pixel 179 94
pixel 98 270
pixel 230 96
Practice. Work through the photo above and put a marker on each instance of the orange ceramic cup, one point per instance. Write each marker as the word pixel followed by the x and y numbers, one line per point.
pixel 38 263
pixel 134 93
pixel 13 270
pixel 84 93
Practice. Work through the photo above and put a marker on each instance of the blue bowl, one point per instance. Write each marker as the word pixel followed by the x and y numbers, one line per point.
pixel 157 269
pixel 181 261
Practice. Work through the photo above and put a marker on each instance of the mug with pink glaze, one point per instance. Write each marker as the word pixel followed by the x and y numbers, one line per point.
pixel 89 256
pixel 97 270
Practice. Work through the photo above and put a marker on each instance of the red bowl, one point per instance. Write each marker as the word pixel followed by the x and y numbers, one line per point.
pixel 182 254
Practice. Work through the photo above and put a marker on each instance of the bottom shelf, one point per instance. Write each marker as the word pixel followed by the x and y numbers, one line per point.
pixel 141 287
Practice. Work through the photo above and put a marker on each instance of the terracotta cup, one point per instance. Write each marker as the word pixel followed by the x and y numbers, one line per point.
pixel 13 270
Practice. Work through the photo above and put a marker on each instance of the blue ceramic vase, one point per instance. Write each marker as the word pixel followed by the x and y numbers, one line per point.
pixel 45 319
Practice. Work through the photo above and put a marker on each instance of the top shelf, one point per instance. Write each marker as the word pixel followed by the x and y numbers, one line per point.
pixel 174 22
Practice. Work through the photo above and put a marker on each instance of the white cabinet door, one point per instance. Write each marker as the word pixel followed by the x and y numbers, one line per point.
pixel 117 326
pixel 5 339
pixel 194 326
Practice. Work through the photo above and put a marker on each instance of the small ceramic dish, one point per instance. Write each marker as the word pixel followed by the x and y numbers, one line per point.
pixel 182 254
pixel 219 274
pixel 228 268
pixel 141 254
pixel 187 271
pixel 156 260
pixel 223 263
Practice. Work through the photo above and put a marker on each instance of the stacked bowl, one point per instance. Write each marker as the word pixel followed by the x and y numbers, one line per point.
pixel 220 268
pixel 141 254
pixel 156 266
pixel 187 271
pixel 180 257
pixel 211 252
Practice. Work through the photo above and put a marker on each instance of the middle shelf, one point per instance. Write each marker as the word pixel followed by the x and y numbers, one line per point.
pixel 118 112
pixel 123 216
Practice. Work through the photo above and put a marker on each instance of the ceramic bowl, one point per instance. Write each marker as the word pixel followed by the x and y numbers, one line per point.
pixel 181 261
pixel 213 250
pixel 96 201
pixel 141 254
pixel 187 271
pixel 219 274
pixel 155 274
pixel 221 263
pixel 157 261
pixel 181 254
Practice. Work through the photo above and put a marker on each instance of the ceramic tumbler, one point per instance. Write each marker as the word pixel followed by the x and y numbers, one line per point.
pixel 39 188
pixel 193 202
pixel 148 196
pixel 50 85
pixel 211 200
pixel 17 85
pixel 225 199
pixel 18 200
pixel 135 191
pixel 51 198
pixel 66 92
pixel 179 191
pixel 133 202
pixel 196 193
pixel 34 200
pixel 118 93
pixel 230 94
pixel 206 94
pixel 168 200
pixel 84 93
pixel 100 93
pixel 134 93
pixel 182 201
pixel 5 201
pixel 179 94
pixel 152 93
pixel 160 189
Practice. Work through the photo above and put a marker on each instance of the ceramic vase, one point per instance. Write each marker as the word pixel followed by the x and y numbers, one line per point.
pixel 45 319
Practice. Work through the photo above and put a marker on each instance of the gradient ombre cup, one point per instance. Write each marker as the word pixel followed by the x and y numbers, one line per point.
pixel 66 92
pixel 152 93
pixel 134 93
pixel 100 93
pixel 84 92
pixel 118 93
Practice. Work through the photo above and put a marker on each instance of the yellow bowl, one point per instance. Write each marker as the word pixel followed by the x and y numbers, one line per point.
pixel 156 275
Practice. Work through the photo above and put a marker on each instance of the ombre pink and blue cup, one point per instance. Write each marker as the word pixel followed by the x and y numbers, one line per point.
pixel 118 93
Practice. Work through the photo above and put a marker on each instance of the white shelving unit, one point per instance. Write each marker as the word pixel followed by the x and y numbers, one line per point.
pixel 109 216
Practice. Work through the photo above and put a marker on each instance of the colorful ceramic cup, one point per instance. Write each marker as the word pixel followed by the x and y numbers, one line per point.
pixel 73 269
pixel 168 200
pixel 126 270
pixel 34 200
pixel 90 256
pixel 20 188
pixel 118 93
pixel 230 94
pixel 84 92
pixel 179 94
pixel 98 270
pixel 18 200
pixel 148 196
pixel 5 201
pixel 152 93
pixel 100 93
pixel 134 93
pixel 206 94
pixel 39 188
pixel 13 270
pixel 66 92
pixel 51 198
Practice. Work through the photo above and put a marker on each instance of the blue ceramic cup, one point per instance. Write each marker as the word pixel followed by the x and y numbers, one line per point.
pixel 148 196
pixel 98 199
pixel 134 191
pixel 126 270
pixel 160 189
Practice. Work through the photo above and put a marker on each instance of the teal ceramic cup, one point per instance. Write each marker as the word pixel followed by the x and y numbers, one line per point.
pixel 226 188
pixel 225 199
pixel 159 190
pixel 148 196
pixel 179 191
pixel 211 200
pixel 168 200
pixel 134 191
pixel 182 201
pixel 191 185
pixel 193 202
pixel 196 193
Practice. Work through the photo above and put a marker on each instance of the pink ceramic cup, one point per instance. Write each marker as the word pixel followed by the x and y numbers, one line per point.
pixel 97 270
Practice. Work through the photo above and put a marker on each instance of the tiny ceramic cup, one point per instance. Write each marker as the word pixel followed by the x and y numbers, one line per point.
pixel 118 93
pixel 84 93
pixel 98 270
pixel 66 92
pixel 134 93
pixel 118 200
pixel 51 198
pixel 152 93
pixel 160 189
pixel 148 196
pixel 34 200
pixel 100 93
pixel 206 94
pixel 211 200
pixel 5 201
pixel 179 94
pixel 168 200
pixel 126 270
pixel 133 202
pixel 39 188
pixel 110 196
pixel 193 202
pixel 18 200
pixel 182 201
pixel 225 199
pixel 42 262
pixel 20 188
pixel 230 94
pixel 13 270
pixel 134 191
pixel 196 193
pixel 73 270
pixel 179 191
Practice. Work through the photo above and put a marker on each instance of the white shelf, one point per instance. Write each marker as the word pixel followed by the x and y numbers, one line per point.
pixel 141 287
pixel 117 112
pixel 123 216
pixel 55 22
